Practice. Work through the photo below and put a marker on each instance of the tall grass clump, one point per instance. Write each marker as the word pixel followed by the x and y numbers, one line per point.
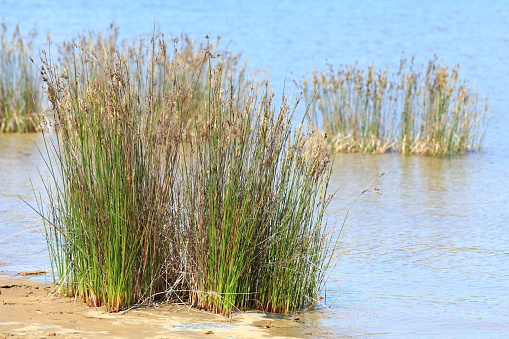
pixel 20 85
pixel 113 200
pixel 159 190
pixel 257 197
pixel 430 111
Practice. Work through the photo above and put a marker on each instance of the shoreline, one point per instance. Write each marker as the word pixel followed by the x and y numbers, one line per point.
pixel 29 310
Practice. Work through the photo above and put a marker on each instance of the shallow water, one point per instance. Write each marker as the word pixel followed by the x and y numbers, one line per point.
pixel 427 258
pixel 22 244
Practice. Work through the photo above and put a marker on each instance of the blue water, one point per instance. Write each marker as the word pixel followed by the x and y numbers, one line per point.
pixel 426 259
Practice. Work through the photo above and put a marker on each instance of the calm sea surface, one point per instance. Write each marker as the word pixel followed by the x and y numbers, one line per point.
pixel 429 257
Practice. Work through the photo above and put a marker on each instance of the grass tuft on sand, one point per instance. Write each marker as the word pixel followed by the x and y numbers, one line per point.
pixel 175 177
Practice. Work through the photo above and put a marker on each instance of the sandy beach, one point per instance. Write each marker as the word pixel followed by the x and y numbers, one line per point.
pixel 29 309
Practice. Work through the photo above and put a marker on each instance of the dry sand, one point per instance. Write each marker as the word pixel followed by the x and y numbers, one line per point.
pixel 29 310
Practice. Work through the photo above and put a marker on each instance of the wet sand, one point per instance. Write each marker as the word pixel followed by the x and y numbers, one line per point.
pixel 28 309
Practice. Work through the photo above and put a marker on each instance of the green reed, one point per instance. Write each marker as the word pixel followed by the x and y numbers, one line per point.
pixel 113 195
pixel 257 196
pixel 180 181
pixel 20 86
pixel 430 111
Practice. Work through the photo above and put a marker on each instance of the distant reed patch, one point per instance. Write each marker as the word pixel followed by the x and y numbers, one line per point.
pixel 20 85
pixel 428 111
